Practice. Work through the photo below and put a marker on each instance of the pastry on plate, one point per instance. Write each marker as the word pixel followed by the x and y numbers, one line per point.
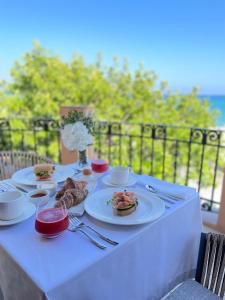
pixel 124 203
pixel 44 171
pixel 72 193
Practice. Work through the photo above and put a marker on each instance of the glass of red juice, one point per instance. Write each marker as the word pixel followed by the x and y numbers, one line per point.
pixel 51 221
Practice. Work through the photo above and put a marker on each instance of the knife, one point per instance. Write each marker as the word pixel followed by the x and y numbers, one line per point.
pixel 17 187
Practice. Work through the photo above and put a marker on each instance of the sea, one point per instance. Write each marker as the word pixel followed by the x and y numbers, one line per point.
pixel 217 102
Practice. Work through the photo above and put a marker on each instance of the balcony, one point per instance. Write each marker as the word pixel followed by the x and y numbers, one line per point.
pixel 184 155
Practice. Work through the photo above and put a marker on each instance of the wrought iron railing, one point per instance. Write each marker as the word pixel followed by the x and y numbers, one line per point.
pixel 190 156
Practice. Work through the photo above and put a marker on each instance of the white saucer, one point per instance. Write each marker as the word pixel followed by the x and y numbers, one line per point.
pixel 131 181
pixel 29 210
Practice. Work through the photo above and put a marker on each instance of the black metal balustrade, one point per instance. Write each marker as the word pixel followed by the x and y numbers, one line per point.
pixel 190 156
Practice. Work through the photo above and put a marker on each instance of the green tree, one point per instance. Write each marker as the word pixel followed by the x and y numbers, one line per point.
pixel 42 82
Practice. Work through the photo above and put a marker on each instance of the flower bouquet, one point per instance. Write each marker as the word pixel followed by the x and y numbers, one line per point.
pixel 77 134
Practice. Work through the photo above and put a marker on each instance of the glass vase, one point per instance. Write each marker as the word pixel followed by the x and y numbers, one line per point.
pixel 83 162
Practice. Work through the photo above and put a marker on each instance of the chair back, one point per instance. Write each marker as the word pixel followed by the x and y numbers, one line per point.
pixel 211 263
pixel 11 161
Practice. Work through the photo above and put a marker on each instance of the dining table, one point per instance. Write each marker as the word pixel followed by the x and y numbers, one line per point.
pixel 149 260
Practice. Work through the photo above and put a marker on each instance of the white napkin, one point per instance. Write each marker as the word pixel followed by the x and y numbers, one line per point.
pixel 77 210
pixel 181 191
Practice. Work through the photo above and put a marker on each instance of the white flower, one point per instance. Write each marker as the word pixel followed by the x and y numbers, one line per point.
pixel 76 137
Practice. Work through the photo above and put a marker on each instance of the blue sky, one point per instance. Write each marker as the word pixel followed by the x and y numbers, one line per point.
pixel 183 41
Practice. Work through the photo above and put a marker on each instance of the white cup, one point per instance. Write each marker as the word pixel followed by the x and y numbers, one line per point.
pixel 120 175
pixel 11 205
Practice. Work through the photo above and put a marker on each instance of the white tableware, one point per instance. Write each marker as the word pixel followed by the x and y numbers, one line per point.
pixel 119 175
pixel 107 180
pixel 28 211
pixel 11 205
pixel 77 210
pixel 26 176
pixel 50 186
pixel 91 181
pixel 150 207
pixel 42 200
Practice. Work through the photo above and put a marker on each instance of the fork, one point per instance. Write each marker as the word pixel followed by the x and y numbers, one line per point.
pixel 81 224
pixel 74 226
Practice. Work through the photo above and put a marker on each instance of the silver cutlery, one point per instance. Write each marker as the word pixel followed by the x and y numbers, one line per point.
pixel 73 226
pixel 168 202
pixel 154 190
pixel 20 188
pixel 6 187
pixel 77 171
pixel 81 224
pixel 11 186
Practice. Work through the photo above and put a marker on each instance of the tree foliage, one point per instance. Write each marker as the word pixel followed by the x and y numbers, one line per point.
pixel 42 82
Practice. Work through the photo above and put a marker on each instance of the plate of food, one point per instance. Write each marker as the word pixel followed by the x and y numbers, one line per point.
pixel 124 207
pixel 42 173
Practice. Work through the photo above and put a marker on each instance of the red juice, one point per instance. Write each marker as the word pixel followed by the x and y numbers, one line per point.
pixel 51 221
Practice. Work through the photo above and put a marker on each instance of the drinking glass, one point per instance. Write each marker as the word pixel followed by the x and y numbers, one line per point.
pixel 51 221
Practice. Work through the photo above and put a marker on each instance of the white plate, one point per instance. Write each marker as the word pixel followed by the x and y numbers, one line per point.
pixel 106 180
pixel 26 176
pixel 29 210
pixel 149 208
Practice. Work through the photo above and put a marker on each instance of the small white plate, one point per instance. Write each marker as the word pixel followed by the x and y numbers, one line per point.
pixel 149 208
pixel 131 181
pixel 26 176
pixel 29 210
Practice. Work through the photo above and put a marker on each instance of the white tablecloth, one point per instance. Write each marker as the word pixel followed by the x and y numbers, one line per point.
pixel 149 260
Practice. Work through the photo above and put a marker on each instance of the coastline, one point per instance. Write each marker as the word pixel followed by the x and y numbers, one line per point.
pixel 217 102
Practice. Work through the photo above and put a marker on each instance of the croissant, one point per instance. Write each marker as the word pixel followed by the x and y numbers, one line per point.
pixel 70 184
pixel 72 197
pixel 72 193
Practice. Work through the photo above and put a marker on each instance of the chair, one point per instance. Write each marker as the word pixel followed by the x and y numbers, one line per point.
pixel 209 283
pixel 11 161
